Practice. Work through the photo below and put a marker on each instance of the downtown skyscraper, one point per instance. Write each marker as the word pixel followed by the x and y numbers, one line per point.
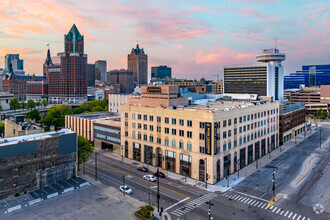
pixel 68 82
pixel 137 61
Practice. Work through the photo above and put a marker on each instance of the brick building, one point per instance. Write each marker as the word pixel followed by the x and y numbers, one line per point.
pixel 69 84
pixel 137 61
pixel 35 161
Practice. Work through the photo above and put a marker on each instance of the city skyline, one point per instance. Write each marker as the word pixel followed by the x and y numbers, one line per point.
pixel 192 37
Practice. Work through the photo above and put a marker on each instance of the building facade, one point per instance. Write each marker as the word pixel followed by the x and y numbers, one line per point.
pixel 35 161
pixel 198 141
pixel 309 76
pixel 160 72
pixel 90 75
pixel 17 126
pixel 5 98
pixel 137 61
pixel 122 77
pixel 292 121
pixel 116 100
pixel 264 79
pixel 69 85
pixel 101 65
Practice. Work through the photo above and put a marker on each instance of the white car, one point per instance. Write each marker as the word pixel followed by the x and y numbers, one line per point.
pixel 152 178
pixel 126 190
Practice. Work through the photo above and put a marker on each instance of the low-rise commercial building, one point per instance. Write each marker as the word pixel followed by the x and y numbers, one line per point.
pixel 161 129
pixel 116 100
pixel 35 161
pixel 292 121
pixel 5 98
pixel 18 126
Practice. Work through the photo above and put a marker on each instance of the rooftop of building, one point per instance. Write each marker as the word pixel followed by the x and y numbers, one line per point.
pixel 94 115
pixel 32 137
pixel 25 124
pixel 112 120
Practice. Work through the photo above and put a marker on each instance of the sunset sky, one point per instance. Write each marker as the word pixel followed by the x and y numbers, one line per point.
pixel 195 38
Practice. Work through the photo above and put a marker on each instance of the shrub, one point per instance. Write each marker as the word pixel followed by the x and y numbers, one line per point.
pixel 145 211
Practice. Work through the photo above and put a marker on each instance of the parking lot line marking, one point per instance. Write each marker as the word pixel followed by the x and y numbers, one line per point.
pixel 290 214
pixel 112 196
pixel 294 216
pixel 286 213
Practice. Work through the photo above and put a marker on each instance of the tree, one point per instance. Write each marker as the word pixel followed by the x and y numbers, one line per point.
pixel 23 105
pixel 44 102
pixel 56 115
pixel 38 103
pixel 85 149
pixel 33 115
pixel 97 109
pixel 0 107
pixel 14 104
pixel 31 104
pixel 288 97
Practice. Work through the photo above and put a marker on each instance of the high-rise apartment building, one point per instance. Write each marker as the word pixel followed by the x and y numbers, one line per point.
pixel 13 64
pixel 69 85
pixel 90 75
pixel 102 66
pixel 264 79
pixel 214 140
pixel 137 61
pixel 161 72
pixel 122 77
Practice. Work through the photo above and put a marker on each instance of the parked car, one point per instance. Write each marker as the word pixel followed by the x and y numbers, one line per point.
pixel 160 174
pixel 143 169
pixel 126 190
pixel 152 178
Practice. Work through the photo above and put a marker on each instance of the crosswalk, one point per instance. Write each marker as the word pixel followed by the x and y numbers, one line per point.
pixel 182 210
pixel 263 204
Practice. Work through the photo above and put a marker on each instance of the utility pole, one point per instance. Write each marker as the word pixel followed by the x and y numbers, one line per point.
pixel 124 185
pixel 122 153
pixel 238 166
pixel 95 166
pixel 320 139
pixel 209 213
pixel 149 196
pixel 158 195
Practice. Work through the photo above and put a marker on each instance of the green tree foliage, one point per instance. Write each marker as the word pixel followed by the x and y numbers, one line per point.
pixel 85 149
pixel 146 211
pixel 97 105
pixel 44 102
pixel 320 114
pixel 38 104
pixel 0 107
pixel 288 97
pixel 23 105
pixel 31 104
pixel 14 104
pixel 33 115
pixel 56 115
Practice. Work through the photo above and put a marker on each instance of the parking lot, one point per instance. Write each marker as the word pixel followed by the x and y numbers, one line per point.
pixel 16 203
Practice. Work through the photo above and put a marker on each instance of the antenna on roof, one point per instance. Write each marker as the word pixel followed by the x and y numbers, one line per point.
pixel 275 41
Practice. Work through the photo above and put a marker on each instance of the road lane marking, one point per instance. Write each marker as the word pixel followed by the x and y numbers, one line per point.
pixel 260 204
pixel 286 213
pixel 278 210
pixel 290 214
pixel 274 209
pixel 246 200
pixel 240 199
pixel 294 216
pixel 112 196
pixel 251 196
pixel 281 212
pixel 254 201
pixel 263 206
pixel 271 207
pixel 299 217
pixel 235 197
pixel 177 203
pixel 303 218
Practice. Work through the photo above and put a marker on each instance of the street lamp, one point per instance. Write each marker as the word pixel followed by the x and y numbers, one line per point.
pixel 206 175
pixel 238 166
pixel 124 185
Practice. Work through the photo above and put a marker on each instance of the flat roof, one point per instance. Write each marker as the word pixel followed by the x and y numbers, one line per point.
pixel 94 115
pixel 31 137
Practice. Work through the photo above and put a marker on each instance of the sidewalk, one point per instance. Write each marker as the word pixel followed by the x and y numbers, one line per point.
pixel 222 186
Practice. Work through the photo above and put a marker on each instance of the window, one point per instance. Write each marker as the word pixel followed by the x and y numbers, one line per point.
pixel 173 121
pixel 229 145
pixel 189 123
pixel 1 176
pixel 244 139
pixel 145 137
pixel 133 115
pixel 240 119
pixel 159 129
pixel 133 124
pixel 145 117
pixel 167 130
pixel 248 138
pixel 235 143
pixel 201 136
pixel 173 131
pixel 224 135
pixel 159 119
pixel 181 133
pixel 159 140
pixel 126 133
pixel 224 123
pixel 235 121
pixel 126 115
pixel 139 125
pixel 189 147
pixel 240 129
pixel 248 117
pixel 181 122
pixel 15 171
pixel 145 127
pixel 151 118
pixel 235 131
pixel 201 125
pixel 189 134
pixel 133 134
pixel 224 147
pixel 181 145
pixel 167 120
pixel 201 149
pixel 173 143
pixel 240 141
pixel 139 136
pixel 151 138
pixel 139 116
pixel 244 118
pixel 229 122
pixel 244 129
pixel 218 150
pixel 126 123
pixel 251 116
pixel 151 128
pixel 248 127
pixel 229 133
pixel 167 142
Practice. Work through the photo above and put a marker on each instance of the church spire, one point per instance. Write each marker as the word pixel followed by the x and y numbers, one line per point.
pixel 48 59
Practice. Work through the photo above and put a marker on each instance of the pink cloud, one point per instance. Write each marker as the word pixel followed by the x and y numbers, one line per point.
pixel 257 14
